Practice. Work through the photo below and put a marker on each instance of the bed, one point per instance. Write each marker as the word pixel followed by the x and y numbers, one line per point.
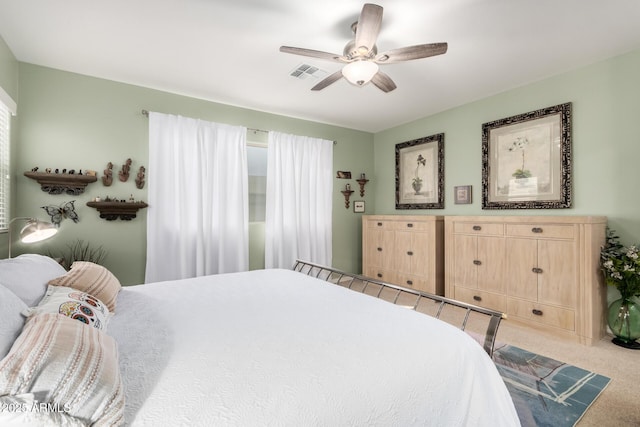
pixel 269 347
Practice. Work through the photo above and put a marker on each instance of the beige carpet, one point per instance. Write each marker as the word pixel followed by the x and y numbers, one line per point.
pixel 619 404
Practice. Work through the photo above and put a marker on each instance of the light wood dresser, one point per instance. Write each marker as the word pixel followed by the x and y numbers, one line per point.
pixel 540 270
pixel 404 250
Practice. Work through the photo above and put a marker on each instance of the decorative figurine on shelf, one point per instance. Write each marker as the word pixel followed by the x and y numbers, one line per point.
pixel 140 178
pixel 58 213
pixel 107 179
pixel 124 173
pixel 47 170
pixel 35 169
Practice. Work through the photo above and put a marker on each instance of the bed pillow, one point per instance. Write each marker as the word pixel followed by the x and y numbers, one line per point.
pixel 23 410
pixel 27 276
pixel 11 321
pixel 66 365
pixel 75 304
pixel 93 279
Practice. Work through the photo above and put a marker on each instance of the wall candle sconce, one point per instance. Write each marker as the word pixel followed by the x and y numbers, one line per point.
pixel 347 194
pixel 362 182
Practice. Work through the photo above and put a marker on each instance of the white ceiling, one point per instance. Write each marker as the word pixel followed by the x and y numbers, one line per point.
pixel 227 51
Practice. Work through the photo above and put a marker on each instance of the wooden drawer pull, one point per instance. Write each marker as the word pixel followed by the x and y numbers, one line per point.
pixel 409 253
pixel 379 224
pixel 536 270
pixel 379 249
pixel 536 230
pixel 410 225
pixel 477 228
pixel 410 282
pixel 537 312
pixel 379 275
pixel 477 298
pixel 477 262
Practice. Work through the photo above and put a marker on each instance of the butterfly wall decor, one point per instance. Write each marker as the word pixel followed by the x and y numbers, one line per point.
pixel 58 213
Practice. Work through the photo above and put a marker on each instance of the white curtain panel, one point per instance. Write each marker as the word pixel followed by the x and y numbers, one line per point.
pixel 197 220
pixel 299 200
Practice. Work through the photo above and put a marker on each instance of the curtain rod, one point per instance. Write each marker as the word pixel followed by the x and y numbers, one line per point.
pixel 146 114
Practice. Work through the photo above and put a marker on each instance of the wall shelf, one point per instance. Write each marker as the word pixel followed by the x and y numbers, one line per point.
pixel 362 182
pixel 112 210
pixel 58 183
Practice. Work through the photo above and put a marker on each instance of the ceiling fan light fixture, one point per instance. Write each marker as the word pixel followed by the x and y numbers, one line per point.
pixel 360 72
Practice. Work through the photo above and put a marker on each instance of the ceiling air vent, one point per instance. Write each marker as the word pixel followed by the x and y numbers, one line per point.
pixel 304 71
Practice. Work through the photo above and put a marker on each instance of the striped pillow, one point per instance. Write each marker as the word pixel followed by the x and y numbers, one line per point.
pixel 66 365
pixel 93 279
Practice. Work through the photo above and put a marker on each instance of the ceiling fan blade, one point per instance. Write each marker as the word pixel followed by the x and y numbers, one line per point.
pixel 368 27
pixel 411 52
pixel 313 53
pixel 328 80
pixel 383 82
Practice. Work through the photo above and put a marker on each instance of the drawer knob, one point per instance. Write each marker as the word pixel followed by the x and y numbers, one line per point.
pixel 536 230
pixel 537 312
pixel 379 275
pixel 477 262
pixel 379 249
pixel 477 298
pixel 410 282
pixel 536 270
pixel 409 253
pixel 409 225
pixel 379 224
pixel 477 228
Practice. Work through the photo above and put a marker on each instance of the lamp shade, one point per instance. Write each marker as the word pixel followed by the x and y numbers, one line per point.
pixel 34 231
pixel 37 230
pixel 360 72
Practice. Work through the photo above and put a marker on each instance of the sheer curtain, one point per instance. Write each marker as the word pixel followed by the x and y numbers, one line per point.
pixel 197 220
pixel 299 200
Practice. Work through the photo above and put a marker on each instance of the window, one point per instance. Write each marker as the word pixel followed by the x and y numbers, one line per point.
pixel 5 121
pixel 257 167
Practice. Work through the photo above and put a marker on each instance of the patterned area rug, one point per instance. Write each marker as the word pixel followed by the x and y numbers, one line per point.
pixel 547 392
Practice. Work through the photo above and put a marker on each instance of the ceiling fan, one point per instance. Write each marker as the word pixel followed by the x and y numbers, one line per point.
pixel 361 54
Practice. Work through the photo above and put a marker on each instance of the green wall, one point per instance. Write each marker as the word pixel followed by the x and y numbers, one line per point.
pixel 67 120
pixel 73 121
pixel 606 144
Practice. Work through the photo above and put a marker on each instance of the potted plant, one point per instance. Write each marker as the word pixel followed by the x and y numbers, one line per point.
pixel 417 181
pixel 621 268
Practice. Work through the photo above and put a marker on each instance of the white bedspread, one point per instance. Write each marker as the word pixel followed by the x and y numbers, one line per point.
pixel 277 348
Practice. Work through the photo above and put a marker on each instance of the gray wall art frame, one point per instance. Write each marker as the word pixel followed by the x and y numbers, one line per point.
pixel 526 160
pixel 420 173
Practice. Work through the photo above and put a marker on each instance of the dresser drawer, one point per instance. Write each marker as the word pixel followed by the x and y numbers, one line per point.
pixel 380 224
pixel 541 313
pixel 380 274
pixel 488 228
pixel 414 282
pixel 481 298
pixel 541 231
pixel 412 225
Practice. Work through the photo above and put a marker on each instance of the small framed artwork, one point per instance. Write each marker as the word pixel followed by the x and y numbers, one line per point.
pixel 526 160
pixel 420 173
pixel 462 194
pixel 358 206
